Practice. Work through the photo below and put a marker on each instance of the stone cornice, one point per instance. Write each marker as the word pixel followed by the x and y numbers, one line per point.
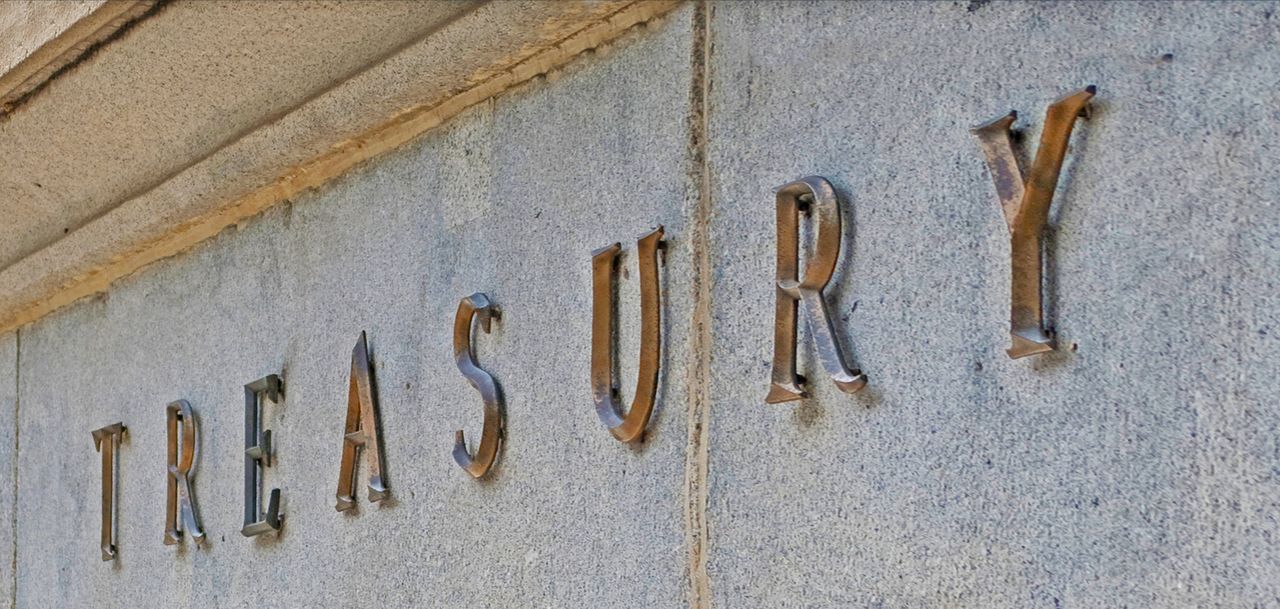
pixel 477 55
pixel 53 36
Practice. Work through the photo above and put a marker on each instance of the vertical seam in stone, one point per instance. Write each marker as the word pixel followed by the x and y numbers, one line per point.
pixel 17 427
pixel 697 455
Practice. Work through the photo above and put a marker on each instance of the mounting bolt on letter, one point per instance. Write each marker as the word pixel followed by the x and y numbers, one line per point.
pixel 182 454
pixel 360 432
pixel 817 198
pixel 604 389
pixel 258 454
pixel 1025 203
pixel 477 306
pixel 107 441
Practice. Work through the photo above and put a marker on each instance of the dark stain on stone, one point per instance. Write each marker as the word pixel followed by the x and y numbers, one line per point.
pixel 976 5
pixel 807 414
pixel 852 310
pixel 89 51
pixel 287 213
pixel 1167 57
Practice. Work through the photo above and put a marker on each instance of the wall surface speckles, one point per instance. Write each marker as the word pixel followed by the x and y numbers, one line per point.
pixel 8 444
pixel 509 199
pixel 1138 465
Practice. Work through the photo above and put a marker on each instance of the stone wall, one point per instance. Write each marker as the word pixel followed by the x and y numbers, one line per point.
pixel 8 446
pixel 1139 465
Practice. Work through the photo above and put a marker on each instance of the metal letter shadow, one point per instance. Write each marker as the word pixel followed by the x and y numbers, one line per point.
pixel 816 198
pixel 1025 203
pixel 107 441
pixel 181 461
pixel 477 306
pixel 258 453
pixel 361 432
pixel 604 388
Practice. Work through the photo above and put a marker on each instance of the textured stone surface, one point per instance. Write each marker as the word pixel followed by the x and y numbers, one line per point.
pixel 47 39
pixel 253 156
pixel 179 87
pixel 29 25
pixel 1138 467
pixel 8 441
pixel 509 199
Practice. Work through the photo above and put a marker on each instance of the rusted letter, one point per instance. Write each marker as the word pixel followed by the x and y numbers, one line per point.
pixel 477 306
pixel 604 387
pixel 361 433
pixel 1025 203
pixel 107 441
pixel 816 198
pixel 182 454
pixel 258 454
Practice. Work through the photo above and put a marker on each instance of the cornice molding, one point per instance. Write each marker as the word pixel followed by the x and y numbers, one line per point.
pixel 479 55
pixel 71 36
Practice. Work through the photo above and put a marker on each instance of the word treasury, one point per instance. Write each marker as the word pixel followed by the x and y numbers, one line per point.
pixel 802 275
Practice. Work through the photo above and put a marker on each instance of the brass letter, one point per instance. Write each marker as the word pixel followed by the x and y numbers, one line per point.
pixel 106 441
pixel 181 459
pixel 473 306
pixel 257 457
pixel 604 388
pixel 817 198
pixel 1025 204
pixel 361 432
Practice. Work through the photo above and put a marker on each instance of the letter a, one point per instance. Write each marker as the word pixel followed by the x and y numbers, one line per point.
pixel 361 433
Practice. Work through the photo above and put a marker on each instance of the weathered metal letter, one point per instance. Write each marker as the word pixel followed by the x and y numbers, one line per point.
pixel 817 198
pixel 604 387
pixel 361 432
pixel 182 456
pixel 257 457
pixel 107 441
pixel 477 306
pixel 1025 204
